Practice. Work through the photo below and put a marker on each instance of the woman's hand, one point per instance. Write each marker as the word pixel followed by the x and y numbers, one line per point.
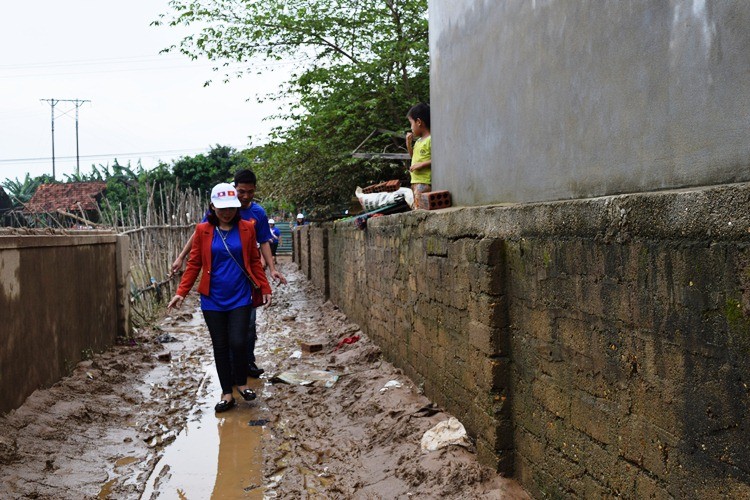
pixel 176 302
pixel 266 299
pixel 279 277
pixel 177 264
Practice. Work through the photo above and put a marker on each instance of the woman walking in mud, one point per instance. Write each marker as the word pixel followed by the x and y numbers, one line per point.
pixel 231 283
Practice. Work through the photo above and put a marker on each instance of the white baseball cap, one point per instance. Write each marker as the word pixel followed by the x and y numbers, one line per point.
pixel 271 221
pixel 224 196
pixel 300 216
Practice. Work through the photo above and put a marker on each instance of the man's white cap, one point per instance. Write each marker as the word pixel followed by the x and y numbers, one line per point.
pixel 224 196
pixel 300 216
pixel 271 221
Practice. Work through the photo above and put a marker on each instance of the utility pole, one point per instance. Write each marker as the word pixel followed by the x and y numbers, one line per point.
pixel 52 103
pixel 78 160
pixel 78 103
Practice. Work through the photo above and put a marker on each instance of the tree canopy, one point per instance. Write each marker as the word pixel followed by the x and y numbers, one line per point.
pixel 360 66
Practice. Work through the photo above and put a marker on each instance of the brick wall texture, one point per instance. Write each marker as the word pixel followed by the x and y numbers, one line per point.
pixel 318 242
pixel 303 239
pixel 592 348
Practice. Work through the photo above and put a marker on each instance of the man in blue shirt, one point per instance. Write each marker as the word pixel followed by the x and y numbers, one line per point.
pixel 245 183
pixel 275 238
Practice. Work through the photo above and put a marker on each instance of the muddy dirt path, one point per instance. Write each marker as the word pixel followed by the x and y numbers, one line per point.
pixel 138 421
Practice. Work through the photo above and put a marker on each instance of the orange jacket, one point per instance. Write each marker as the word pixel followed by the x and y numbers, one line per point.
pixel 200 258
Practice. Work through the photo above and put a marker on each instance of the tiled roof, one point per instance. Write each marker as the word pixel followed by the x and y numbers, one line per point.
pixel 51 197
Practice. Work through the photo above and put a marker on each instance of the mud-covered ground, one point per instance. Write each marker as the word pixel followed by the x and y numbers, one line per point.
pixel 101 432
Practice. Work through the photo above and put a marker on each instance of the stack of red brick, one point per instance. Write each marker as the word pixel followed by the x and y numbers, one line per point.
pixel 383 187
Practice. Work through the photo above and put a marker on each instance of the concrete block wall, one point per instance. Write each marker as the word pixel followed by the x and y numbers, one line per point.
pixel 593 348
pixel 303 240
pixel 436 308
pixel 630 336
pixel 318 242
pixel 61 297
pixel 296 243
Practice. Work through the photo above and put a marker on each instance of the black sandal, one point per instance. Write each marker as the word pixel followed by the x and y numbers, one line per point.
pixel 248 394
pixel 224 405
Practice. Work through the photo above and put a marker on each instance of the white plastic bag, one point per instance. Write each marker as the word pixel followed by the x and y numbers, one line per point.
pixel 446 433
pixel 373 201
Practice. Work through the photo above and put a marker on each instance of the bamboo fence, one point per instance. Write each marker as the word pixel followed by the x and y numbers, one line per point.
pixel 158 229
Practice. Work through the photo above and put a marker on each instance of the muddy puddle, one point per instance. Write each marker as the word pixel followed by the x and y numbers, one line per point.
pixel 137 421
pixel 216 455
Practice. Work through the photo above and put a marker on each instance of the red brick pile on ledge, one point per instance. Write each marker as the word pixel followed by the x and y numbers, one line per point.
pixel 383 187
pixel 52 197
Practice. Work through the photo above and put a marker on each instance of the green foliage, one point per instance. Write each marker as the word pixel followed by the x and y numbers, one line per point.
pixel 129 188
pixel 202 172
pixel 361 65
pixel 22 191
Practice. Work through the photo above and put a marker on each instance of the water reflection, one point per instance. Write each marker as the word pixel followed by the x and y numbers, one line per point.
pixel 240 459
pixel 218 456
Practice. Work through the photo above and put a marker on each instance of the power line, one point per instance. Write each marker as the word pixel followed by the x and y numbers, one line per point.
pixel 85 71
pixel 88 62
pixel 53 102
pixel 161 59
pixel 106 155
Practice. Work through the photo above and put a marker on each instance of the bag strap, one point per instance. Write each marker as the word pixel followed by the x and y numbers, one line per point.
pixel 244 271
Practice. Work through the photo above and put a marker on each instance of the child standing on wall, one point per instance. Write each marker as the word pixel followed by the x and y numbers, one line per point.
pixel 420 151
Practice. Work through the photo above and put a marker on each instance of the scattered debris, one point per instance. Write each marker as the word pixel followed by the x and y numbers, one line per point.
pixel 165 337
pixel 427 411
pixel 296 355
pixel 306 378
pixel 347 340
pixel 311 347
pixel 446 433
pixel 393 384
pixel 165 356
pixel 258 423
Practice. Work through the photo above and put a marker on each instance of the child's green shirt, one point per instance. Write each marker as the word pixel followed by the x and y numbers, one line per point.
pixel 422 152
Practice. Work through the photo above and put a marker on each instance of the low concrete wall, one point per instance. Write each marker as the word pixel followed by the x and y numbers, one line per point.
pixel 61 297
pixel 593 348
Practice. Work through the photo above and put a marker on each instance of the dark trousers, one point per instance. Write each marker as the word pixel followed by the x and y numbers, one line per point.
pixel 229 333
pixel 252 336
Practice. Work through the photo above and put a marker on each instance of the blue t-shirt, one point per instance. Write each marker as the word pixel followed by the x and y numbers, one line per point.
pixel 254 211
pixel 229 287
pixel 277 233
pixel 262 229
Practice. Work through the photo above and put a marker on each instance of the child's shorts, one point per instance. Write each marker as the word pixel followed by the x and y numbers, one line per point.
pixel 418 190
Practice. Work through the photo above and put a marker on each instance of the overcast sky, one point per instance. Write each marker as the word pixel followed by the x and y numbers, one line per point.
pixel 143 105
